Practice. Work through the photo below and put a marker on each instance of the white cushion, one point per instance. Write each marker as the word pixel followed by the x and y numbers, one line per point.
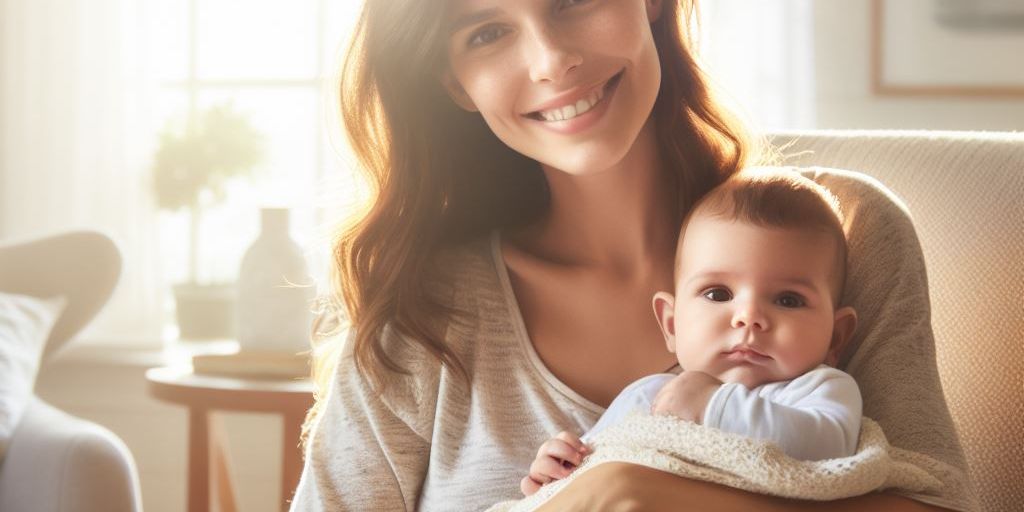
pixel 25 324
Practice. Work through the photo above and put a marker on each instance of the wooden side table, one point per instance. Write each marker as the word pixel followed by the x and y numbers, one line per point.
pixel 202 394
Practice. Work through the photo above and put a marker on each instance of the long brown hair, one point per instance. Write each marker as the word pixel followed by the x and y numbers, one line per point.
pixel 440 176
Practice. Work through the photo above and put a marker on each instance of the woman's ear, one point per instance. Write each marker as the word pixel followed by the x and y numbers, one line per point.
pixel 665 312
pixel 842 332
pixel 456 92
pixel 653 9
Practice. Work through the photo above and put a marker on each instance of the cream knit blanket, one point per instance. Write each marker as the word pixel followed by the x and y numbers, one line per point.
pixel 702 453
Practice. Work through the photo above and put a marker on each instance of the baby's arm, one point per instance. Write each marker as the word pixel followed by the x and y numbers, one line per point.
pixel 686 396
pixel 816 416
pixel 556 459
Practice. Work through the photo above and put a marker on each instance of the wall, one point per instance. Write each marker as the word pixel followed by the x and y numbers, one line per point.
pixel 844 97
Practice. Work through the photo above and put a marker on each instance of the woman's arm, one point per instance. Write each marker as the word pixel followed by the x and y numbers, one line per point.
pixel 627 487
pixel 366 452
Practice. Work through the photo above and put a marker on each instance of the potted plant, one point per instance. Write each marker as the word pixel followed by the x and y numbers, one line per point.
pixel 190 169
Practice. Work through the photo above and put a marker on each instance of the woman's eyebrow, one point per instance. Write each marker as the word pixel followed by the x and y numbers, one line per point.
pixel 472 18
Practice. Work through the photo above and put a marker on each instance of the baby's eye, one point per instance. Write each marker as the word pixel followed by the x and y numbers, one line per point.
pixel 485 36
pixel 717 295
pixel 790 300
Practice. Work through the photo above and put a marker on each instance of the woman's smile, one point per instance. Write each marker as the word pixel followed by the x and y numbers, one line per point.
pixel 570 85
pixel 577 112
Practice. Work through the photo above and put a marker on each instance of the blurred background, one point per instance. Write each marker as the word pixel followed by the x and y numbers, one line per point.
pixel 103 102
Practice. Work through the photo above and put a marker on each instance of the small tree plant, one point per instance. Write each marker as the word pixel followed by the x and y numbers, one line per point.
pixel 191 166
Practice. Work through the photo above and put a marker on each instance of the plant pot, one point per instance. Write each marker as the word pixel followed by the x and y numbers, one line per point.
pixel 205 311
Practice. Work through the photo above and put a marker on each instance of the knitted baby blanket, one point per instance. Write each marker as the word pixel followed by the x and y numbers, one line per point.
pixel 702 453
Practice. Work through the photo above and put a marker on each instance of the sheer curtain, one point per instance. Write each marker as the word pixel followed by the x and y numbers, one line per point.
pixel 761 54
pixel 75 141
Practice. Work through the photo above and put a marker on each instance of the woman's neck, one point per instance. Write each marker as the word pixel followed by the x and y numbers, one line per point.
pixel 621 219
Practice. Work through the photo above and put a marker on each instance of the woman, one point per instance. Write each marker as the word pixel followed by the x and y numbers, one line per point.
pixel 532 161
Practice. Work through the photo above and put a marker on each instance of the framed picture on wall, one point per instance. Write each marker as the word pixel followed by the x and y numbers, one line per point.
pixel 947 47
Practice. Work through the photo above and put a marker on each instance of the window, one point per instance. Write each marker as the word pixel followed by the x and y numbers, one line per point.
pixel 268 59
pixel 85 91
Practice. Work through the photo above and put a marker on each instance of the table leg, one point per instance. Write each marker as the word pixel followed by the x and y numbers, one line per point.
pixel 291 457
pixel 222 468
pixel 198 461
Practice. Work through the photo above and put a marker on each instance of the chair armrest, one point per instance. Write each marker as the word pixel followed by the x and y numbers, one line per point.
pixel 56 462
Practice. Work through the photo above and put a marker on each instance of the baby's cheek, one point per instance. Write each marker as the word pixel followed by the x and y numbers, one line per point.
pixel 694 358
pixel 800 356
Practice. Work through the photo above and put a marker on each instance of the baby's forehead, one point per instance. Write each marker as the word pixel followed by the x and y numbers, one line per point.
pixel 715 235
pixel 720 225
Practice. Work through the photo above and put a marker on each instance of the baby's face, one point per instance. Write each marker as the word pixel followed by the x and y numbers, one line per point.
pixel 753 305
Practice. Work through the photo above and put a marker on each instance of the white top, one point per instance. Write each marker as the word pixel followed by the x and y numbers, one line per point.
pixel 426 443
pixel 812 417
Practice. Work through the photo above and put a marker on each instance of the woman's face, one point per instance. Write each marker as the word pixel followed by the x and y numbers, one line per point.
pixel 568 83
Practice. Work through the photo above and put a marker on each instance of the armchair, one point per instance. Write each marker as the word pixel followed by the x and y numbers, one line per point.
pixel 965 192
pixel 54 461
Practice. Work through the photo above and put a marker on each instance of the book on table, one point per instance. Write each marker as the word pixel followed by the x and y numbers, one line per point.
pixel 253 364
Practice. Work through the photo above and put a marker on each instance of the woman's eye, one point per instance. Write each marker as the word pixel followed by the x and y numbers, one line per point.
pixel 718 295
pixel 571 3
pixel 790 301
pixel 486 35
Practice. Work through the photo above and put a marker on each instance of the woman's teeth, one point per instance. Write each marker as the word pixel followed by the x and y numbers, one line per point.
pixel 570 111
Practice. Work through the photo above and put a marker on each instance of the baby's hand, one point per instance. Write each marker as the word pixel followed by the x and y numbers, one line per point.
pixel 686 396
pixel 556 459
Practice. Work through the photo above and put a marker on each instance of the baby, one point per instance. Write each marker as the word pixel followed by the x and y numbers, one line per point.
pixel 755 323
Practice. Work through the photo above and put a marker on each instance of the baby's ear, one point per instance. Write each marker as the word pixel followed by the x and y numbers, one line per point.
pixel 843 326
pixel 665 311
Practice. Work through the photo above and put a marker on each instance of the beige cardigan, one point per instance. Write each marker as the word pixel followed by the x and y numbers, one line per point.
pixel 430 445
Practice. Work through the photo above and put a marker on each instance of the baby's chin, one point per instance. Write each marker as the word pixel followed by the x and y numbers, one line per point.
pixel 749 376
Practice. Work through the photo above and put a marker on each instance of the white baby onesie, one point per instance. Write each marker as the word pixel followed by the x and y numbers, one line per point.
pixel 812 417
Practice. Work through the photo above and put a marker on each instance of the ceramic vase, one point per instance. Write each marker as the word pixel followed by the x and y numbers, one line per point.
pixel 275 290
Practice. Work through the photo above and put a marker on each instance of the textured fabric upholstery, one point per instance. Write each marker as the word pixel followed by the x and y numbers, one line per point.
pixel 60 463
pixel 56 462
pixel 965 192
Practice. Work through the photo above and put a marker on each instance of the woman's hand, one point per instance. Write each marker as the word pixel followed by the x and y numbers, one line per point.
pixel 556 459
pixel 686 396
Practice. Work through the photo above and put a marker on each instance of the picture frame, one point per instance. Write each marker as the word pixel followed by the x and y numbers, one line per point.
pixel 980 44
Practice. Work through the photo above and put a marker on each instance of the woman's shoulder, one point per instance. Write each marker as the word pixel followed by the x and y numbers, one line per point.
pixel 469 260
pixel 467 277
pixel 470 285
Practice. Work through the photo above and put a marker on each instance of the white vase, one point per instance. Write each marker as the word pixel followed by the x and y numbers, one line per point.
pixel 275 290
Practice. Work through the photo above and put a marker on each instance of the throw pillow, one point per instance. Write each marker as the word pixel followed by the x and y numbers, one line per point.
pixel 25 325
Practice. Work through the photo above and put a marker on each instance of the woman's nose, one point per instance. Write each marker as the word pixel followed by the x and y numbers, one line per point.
pixel 549 57
pixel 750 315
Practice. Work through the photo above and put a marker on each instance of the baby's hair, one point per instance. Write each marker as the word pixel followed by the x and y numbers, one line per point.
pixel 777 199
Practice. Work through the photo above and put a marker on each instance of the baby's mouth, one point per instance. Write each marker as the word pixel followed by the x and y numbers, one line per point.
pixel 746 354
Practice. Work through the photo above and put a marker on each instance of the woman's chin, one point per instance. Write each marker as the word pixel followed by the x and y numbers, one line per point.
pixel 583 162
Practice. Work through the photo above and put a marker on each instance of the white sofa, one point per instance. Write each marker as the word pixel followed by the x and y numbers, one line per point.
pixel 965 194
pixel 55 462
